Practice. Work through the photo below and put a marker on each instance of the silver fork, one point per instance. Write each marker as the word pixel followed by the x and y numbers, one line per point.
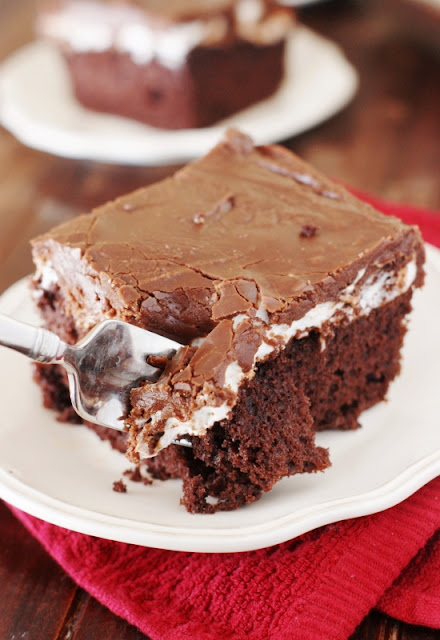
pixel 102 368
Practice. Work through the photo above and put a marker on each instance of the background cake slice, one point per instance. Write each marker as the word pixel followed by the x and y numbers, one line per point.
pixel 169 63
pixel 289 294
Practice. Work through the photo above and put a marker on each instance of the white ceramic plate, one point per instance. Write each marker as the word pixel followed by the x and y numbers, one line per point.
pixel 64 474
pixel 37 106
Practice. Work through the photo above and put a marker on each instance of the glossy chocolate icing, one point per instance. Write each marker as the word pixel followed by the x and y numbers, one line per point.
pixel 223 236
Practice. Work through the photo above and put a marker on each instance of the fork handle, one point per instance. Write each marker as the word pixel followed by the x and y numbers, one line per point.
pixel 36 343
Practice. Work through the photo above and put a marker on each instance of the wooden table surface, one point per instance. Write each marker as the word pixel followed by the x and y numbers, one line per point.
pixel 387 141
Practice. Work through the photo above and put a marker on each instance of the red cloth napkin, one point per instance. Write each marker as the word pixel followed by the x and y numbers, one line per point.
pixel 317 587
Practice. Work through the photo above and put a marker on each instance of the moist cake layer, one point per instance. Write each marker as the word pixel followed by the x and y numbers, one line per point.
pixel 263 441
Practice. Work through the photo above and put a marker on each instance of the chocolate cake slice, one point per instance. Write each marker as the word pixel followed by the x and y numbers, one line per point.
pixel 169 63
pixel 288 294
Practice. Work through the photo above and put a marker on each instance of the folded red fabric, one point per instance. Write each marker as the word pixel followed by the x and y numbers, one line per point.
pixel 318 586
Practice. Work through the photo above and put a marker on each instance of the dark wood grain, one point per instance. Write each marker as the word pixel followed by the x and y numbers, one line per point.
pixel 36 595
pixel 386 142
pixel 97 618
pixel 378 626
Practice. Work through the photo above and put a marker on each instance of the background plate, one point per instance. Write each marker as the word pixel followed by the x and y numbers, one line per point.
pixel 37 106
pixel 64 474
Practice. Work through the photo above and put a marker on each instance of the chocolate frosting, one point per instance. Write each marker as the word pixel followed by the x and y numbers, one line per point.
pixel 222 236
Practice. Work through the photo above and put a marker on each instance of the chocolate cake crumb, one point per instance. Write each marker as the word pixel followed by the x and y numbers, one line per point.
pixel 119 487
pixel 134 474
pixel 308 231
